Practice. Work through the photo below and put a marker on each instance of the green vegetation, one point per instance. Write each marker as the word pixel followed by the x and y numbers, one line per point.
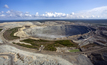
pixel 49 45
pixel 32 40
pixel 67 43
pixel 24 45
pixel 35 42
pixel 0 29
pixel 14 30
pixel 9 34
pixel 38 43
pixel 75 50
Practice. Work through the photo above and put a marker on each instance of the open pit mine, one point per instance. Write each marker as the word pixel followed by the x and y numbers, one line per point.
pixel 53 43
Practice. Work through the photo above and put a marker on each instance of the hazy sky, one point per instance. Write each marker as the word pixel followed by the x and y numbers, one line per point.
pixel 51 8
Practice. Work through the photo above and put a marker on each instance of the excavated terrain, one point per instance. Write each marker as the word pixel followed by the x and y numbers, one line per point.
pixel 90 38
pixel 56 31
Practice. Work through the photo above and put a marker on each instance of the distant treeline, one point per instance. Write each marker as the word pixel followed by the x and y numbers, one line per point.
pixel 70 20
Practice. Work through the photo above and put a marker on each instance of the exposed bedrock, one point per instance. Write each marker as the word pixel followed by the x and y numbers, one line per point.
pixel 57 31
pixel 82 60
pixel 98 58
pixel 10 55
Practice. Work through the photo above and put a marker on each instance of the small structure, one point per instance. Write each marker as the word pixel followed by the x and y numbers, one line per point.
pixel 41 48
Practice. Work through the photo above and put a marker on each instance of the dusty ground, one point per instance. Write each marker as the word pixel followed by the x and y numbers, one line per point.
pixel 25 56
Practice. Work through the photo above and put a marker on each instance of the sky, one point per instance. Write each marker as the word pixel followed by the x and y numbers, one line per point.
pixel 53 9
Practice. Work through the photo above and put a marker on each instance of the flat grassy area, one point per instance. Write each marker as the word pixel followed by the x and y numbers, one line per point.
pixel 0 29
pixel 75 50
pixel 32 40
pixel 9 34
pixel 28 46
pixel 37 43
pixel 66 43
pixel 50 45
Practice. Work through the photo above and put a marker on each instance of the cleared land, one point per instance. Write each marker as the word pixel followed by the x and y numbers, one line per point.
pixel 49 45
pixel 9 34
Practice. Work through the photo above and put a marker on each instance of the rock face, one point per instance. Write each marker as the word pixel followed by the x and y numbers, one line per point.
pixel 21 33
pixel 98 58
pixel 4 60
pixel 58 31
pixel 20 57
pixel 82 60
pixel 10 55
pixel 1 41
